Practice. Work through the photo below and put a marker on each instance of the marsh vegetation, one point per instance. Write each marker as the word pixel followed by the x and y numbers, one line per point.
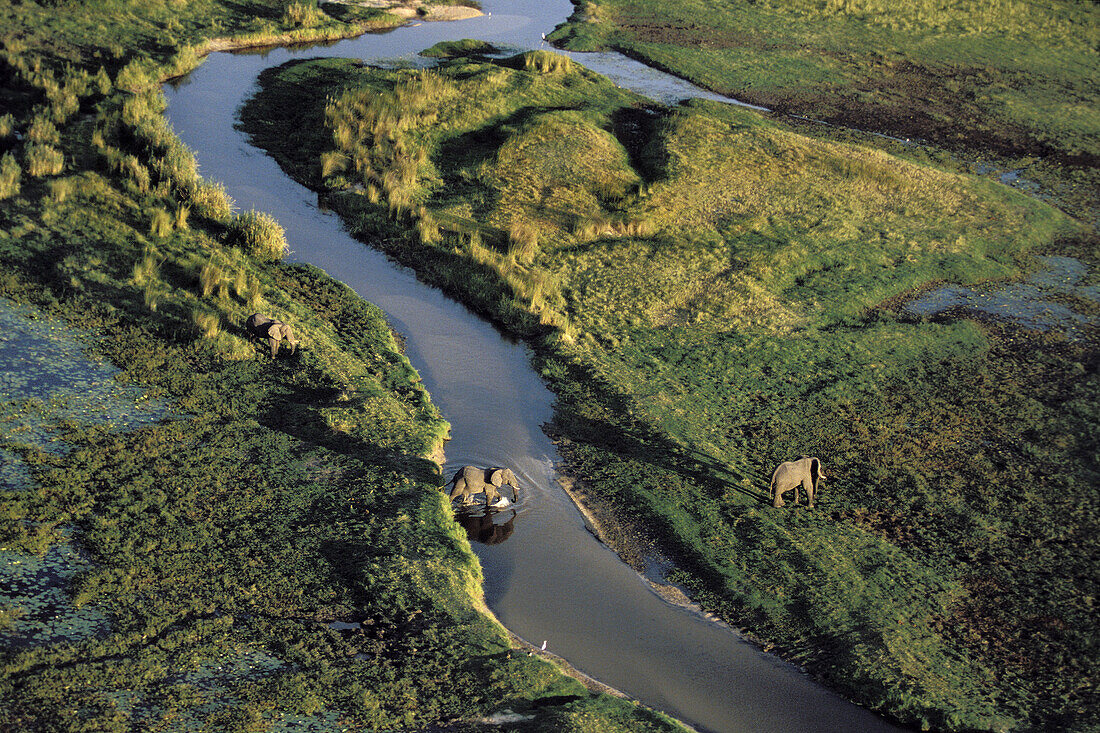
pixel 1011 82
pixel 711 292
pixel 269 550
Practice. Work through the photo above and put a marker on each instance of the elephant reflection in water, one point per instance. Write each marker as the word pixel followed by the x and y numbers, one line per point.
pixel 480 527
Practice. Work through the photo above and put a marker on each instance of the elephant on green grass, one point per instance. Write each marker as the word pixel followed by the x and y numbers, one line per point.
pixel 805 472
pixel 263 327
pixel 472 480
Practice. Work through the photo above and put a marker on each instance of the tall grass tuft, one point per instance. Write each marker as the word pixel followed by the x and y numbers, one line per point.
pixel 299 14
pixel 180 220
pixel 146 270
pixel 427 229
pixel 258 234
pixel 209 200
pixel 133 171
pixel 61 189
pixel 44 160
pixel 7 126
pixel 9 176
pixel 523 240
pixel 211 278
pixel 209 324
pixel 42 129
pixel 152 295
pixel 161 223
pixel 547 62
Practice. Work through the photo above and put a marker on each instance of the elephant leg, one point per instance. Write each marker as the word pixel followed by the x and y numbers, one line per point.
pixel 491 495
pixel 460 490
pixel 809 486
pixel 274 345
pixel 777 500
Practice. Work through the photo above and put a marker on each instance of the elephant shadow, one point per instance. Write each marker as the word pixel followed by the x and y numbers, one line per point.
pixel 480 526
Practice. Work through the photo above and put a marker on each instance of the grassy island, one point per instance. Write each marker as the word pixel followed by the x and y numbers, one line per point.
pixel 265 548
pixel 711 291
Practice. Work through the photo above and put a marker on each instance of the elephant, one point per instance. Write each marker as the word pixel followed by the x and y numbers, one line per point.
pixel 473 480
pixel 264 327
pixel 480 527
pixel 806 472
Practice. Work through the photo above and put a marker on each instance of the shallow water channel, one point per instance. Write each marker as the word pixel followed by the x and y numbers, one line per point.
pixel 551 580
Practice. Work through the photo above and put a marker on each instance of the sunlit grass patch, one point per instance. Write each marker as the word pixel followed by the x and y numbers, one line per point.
pixel 258 234
pixel 43 160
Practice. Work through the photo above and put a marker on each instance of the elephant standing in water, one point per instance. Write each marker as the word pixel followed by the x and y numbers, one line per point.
pixel 805 472
pixel 480 527
pixel 264 327
pixel 473 480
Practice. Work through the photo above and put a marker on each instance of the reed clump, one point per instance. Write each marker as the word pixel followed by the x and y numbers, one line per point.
pixel 546 62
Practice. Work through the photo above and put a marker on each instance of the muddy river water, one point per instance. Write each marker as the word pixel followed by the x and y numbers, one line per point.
pixel 551 580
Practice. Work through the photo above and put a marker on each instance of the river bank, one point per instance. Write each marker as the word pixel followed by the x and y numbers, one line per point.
pixel 681 462
pixel 275 554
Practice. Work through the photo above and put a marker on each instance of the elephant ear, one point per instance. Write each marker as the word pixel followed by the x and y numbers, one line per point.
pixel 496 478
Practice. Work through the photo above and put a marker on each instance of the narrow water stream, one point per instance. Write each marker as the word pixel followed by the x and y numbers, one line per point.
pixel 551 580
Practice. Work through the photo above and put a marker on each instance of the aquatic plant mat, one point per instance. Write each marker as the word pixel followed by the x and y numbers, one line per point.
pixel 711 292
pixel 195 535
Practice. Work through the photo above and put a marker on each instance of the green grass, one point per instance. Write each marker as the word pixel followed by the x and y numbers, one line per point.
pixel 1012 80
pixel 203 557
pixel 709 292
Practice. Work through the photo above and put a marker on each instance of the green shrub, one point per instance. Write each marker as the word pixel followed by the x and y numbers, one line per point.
pixel 258 234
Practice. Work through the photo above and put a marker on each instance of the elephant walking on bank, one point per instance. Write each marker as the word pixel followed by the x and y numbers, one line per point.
pixel 263 327
pixel 805 472
pixel 473 480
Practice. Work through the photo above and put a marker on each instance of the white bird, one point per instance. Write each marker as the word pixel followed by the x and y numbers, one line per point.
pixel 544 645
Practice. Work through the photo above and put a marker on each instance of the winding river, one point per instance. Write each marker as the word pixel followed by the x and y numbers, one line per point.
pixel 551 580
